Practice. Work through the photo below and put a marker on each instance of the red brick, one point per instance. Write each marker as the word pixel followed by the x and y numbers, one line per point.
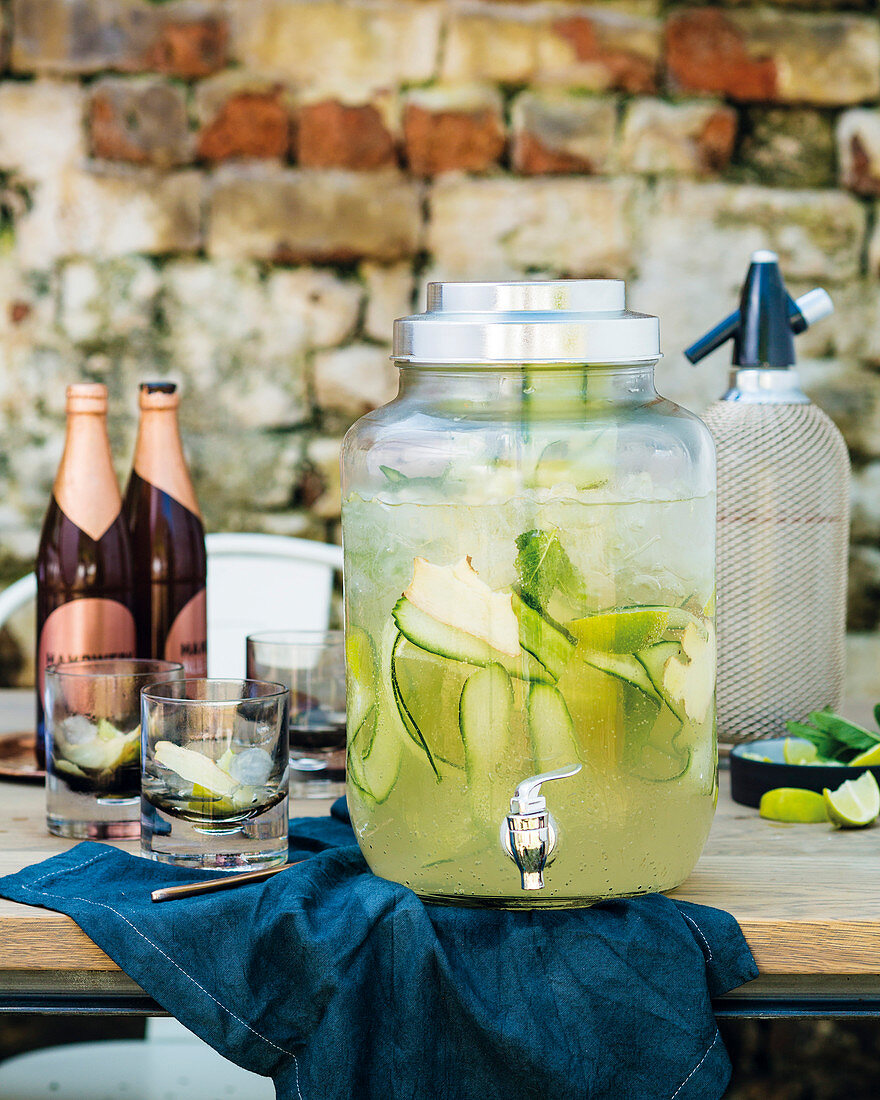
pixel 19 311
pixel 627 71
pixel 532 158
pixel 706 52
pixel 86 36
pixel 559 134
pixel 189 49
pixel 439 141
pixel 252 125
pixel 333 135
pixel 716 139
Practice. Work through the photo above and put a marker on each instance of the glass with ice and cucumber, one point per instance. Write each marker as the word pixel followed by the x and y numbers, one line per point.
pixel 529 556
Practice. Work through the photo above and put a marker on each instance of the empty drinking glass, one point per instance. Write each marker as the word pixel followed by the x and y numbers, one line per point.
pixel 312 664
pixel 215 775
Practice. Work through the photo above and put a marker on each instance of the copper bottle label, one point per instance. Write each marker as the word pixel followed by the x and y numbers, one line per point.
pixel 83 630
pixel 187 640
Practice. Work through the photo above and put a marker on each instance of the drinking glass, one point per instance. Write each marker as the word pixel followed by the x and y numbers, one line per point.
pixel 312 664
pixel 93 744
pixel 214 784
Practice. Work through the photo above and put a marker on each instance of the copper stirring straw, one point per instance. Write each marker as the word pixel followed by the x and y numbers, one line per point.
pixel 190 889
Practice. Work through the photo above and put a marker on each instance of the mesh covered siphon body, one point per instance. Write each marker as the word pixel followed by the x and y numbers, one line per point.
pixel 783 531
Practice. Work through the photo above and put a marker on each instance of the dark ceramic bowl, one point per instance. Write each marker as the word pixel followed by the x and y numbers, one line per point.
pixel 750 778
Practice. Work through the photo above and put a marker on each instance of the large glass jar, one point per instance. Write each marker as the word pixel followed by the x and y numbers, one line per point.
pixel 529 586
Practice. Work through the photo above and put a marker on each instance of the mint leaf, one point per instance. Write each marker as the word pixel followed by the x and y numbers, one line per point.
pixel 847 733
pixel 543 567
pixel 834 737
pixel 826 746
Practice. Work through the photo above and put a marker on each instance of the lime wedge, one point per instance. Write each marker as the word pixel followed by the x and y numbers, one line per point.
pixel 855 803
pixel 107 731
pixel 623 630
pixel 796 750
pixel 794 805
pixel 866 759
pixel 194 768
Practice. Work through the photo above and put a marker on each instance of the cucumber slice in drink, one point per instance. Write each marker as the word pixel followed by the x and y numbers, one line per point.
pixel 429 687
pixel 653 659
pixel 360 662
pixel 406 717
pixel 653 750
pixel 551 729
pixel 457 645
pixel 691 682
pixel 660 766
pixel 594 701
pixel 484 713
pixel 373 757
pixel 623 666
pixel 546 641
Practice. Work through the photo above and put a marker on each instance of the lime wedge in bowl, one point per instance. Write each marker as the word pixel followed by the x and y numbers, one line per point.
pixel 796 750
pixel 855 803
pixel 794 805
pixel 868 758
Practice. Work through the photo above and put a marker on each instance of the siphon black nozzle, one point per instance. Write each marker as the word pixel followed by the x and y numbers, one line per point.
pixel 769 319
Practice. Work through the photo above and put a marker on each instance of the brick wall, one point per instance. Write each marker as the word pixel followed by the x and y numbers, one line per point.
pixel 242 194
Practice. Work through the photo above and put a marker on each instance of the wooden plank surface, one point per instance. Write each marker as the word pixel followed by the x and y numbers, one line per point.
pixel 806 896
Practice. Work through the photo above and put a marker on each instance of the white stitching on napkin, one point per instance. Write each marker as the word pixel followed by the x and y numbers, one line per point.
pixel 699 932
pixel 104 905
pixel 697 1066
pixel 55 871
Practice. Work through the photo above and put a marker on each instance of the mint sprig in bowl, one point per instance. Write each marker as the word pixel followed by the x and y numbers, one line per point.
pixel 822 751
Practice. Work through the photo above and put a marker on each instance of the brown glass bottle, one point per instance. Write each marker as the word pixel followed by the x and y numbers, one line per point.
pixel 167 538
pixel 85 594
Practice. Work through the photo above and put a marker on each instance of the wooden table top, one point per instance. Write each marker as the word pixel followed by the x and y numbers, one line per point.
pixel 807 897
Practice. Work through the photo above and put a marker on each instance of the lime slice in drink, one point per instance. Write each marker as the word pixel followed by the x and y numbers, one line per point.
pixel 793 804
pixel 866 759
pixel 107 731
pixel 194 768
pixel 796 750
pixel 623 630
pixel 855 803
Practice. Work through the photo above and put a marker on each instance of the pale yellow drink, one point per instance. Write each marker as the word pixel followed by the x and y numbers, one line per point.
pixel 625 631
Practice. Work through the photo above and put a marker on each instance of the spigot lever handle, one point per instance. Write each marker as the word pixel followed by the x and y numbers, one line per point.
pixel 527 798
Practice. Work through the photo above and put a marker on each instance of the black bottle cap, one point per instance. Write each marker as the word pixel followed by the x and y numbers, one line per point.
pixel 158 387
pixel 763 337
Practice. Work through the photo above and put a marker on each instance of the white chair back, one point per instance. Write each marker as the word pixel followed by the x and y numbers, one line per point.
pixel 255 582
pixel 264 582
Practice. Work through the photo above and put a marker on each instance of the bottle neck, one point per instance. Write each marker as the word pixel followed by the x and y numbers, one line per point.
pixel 158 456
pixel 500 389
pixel 766 386
pixel 85 486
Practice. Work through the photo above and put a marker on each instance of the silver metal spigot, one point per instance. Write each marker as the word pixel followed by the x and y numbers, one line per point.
pixel 528 832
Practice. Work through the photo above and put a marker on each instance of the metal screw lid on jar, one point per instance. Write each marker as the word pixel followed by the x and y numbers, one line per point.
pixel 581 321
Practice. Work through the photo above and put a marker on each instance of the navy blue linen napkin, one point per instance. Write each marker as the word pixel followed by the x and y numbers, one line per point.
pixel 342 986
